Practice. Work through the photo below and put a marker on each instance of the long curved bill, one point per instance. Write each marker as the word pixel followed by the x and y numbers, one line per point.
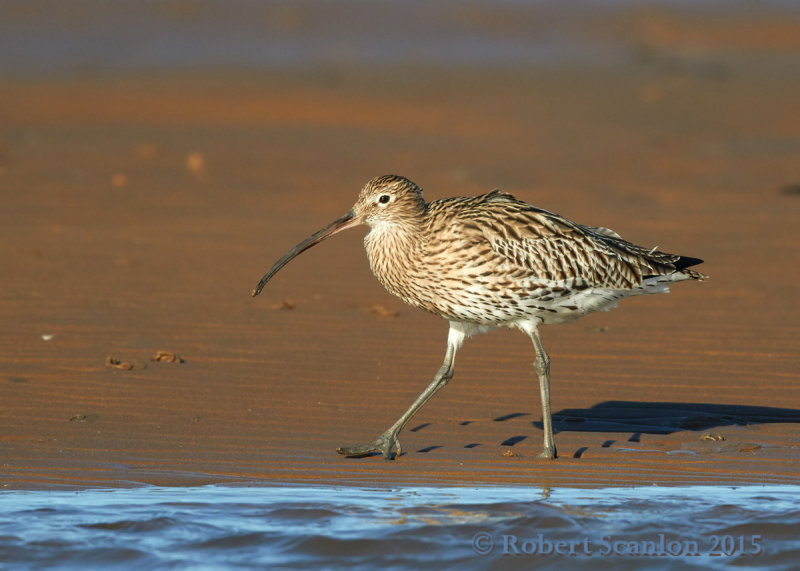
pixel 347 221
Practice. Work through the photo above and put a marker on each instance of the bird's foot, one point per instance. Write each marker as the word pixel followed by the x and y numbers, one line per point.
pixel 383 444
pixel 548 453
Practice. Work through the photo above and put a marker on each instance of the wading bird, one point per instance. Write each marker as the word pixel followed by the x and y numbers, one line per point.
pixel 490 261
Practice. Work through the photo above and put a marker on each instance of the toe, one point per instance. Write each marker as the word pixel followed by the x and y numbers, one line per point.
pixel 356 451
pixel 548 454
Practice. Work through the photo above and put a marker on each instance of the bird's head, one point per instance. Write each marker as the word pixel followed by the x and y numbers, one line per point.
pixel 384 201
pixel 387 200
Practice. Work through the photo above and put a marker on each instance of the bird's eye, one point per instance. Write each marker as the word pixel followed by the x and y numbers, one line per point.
pixel 384 199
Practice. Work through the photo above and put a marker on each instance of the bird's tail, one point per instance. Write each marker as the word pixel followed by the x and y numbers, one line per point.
pixel 682 265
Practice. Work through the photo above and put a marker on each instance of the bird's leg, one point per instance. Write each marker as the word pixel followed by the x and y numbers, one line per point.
pixel 542 367
pixel 388 440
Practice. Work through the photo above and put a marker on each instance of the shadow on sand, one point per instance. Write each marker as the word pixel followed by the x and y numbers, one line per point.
pixel 665 417
pixel 640 418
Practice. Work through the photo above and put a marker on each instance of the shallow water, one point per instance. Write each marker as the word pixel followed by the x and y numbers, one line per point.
pixel 217 527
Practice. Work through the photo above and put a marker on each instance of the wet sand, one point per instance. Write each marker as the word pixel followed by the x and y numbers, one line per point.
pixel 138 211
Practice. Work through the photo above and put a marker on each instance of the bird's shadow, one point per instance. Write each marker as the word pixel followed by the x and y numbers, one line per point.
pixel 665 417
pixel 639 418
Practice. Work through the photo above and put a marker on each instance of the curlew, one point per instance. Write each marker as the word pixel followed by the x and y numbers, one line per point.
pixel 490 261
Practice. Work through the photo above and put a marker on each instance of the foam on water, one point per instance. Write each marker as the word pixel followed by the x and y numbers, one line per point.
pixel 311 527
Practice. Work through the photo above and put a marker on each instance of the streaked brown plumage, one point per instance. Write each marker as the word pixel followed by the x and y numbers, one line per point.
pixel 492 261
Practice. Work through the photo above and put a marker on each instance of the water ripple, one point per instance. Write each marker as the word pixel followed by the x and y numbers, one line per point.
pixel 307 527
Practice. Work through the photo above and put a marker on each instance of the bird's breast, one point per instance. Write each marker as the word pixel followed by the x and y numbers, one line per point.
pixel 392 258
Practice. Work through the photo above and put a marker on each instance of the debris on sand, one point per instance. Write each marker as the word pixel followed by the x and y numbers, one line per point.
pixel 196 165
pixel 113 363
pixel 750 448
pixel 119 180
pixel 285 305
pixel 167 356
pixel 381 311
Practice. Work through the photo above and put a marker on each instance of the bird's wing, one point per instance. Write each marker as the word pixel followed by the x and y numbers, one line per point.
pixel 604 231
pixel 552 248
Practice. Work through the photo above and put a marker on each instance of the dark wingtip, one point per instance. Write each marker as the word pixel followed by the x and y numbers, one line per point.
pixel 686 262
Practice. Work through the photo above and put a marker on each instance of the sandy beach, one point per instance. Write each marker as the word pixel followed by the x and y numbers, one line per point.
pixel 138 210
